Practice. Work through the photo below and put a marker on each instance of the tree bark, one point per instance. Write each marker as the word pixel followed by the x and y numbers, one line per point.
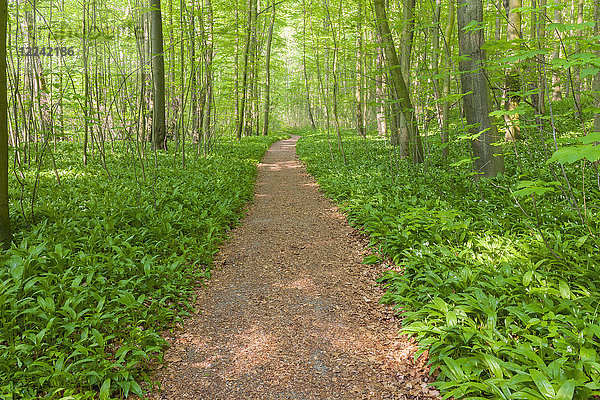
pixel 242 110
pixel 556 83
pixel 306 83
pixel 360 117
pixel 475 89
pixel 158 78
pixel 447 78
pixel 596 83
pixel 512 80
pixel 5 231
pixel 398 83
pixel 265 130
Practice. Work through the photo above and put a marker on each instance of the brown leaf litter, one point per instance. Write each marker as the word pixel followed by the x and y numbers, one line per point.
pixel 291 313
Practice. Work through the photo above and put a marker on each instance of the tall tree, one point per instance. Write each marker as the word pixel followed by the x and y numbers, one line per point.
pixel 267 107
pixel 512 80
pixel 475 89
pixel 158 77
pixel 242 108
pixel 447 77
pixel 5 232
pixel 400 90
pixel 596 84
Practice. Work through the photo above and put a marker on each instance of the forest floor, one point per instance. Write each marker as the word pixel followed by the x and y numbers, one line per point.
pixel 291 313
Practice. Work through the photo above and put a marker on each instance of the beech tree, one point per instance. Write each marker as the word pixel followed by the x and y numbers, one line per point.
pixel 410 145
pixel 158 79
pixel 475 89
pixel 5 232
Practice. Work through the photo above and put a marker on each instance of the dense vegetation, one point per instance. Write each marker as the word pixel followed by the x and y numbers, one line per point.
pixel 497 279
pixel 107 259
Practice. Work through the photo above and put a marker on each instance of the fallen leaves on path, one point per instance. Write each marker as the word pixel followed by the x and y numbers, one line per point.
pixel 291 313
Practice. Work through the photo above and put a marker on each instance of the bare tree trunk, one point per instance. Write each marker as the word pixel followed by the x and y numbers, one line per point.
pixel 476 98
pixel 380 90
pixel 306 83
pixel 336 118
pixel 556 84
pixel 242 110
pixel 577 78
pixel 158 77
pixel 398 83
pixel 5 231
pixel 406 43
pixel 267 107
pixel 360 117
pixel 512 80
pixel 596 84
pixel 541 34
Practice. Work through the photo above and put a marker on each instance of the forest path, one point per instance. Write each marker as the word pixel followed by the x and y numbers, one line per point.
pixel 290 312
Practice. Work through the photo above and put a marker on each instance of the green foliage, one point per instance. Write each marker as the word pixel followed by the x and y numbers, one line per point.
pixel 500 315
pixel 106 263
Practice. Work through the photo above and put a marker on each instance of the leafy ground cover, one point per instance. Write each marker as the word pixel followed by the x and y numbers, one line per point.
pixel 497 279
pixel 105 260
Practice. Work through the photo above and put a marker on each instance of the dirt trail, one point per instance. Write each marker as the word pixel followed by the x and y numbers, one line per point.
pixel 290 312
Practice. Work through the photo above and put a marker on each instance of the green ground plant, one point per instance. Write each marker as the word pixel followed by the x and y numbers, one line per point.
pixel 107 260
pixel 497 279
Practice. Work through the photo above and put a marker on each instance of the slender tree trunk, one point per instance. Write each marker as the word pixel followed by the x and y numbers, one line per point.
pixel 5 231
pixel 596 83
pixel 86 85
pixel 475 89
pixel 512 79
pixel 398 83
pixel 360 117
pixel 435 57
pixel 380 90
pixel 541 34
pixel 556 83
pixel 208 83
pixel 158 77
pixel 447 77
pixel 577 78
pixel 336 118
pixel 268 74
pixel 242 110
pixel 306 82
pixel 406 43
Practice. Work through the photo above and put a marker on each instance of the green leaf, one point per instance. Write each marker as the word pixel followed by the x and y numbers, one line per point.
pixel 17 267
pixel 105 389
pixel 527 277
pixel 542 383
pixel 565 291
pixel 566 390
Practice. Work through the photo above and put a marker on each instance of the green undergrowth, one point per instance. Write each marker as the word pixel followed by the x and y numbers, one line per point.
pixel 506 305
pixel 108 259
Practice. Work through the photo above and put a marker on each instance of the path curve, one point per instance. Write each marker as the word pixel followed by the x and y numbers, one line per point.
pixel 290 312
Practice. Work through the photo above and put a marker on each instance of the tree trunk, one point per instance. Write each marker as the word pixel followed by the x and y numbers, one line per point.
pixel 541 34
pixel 5 232
pixel 406 43
pixel 267 107
pixel 489 161
pixel 556 84
pixel 512 80
pixel 306 83
pixel 360 117
pixel 447 77
pixel 596 84
pixel 380 91
pixel 158 77
pixel 242 110
pixel 398 84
